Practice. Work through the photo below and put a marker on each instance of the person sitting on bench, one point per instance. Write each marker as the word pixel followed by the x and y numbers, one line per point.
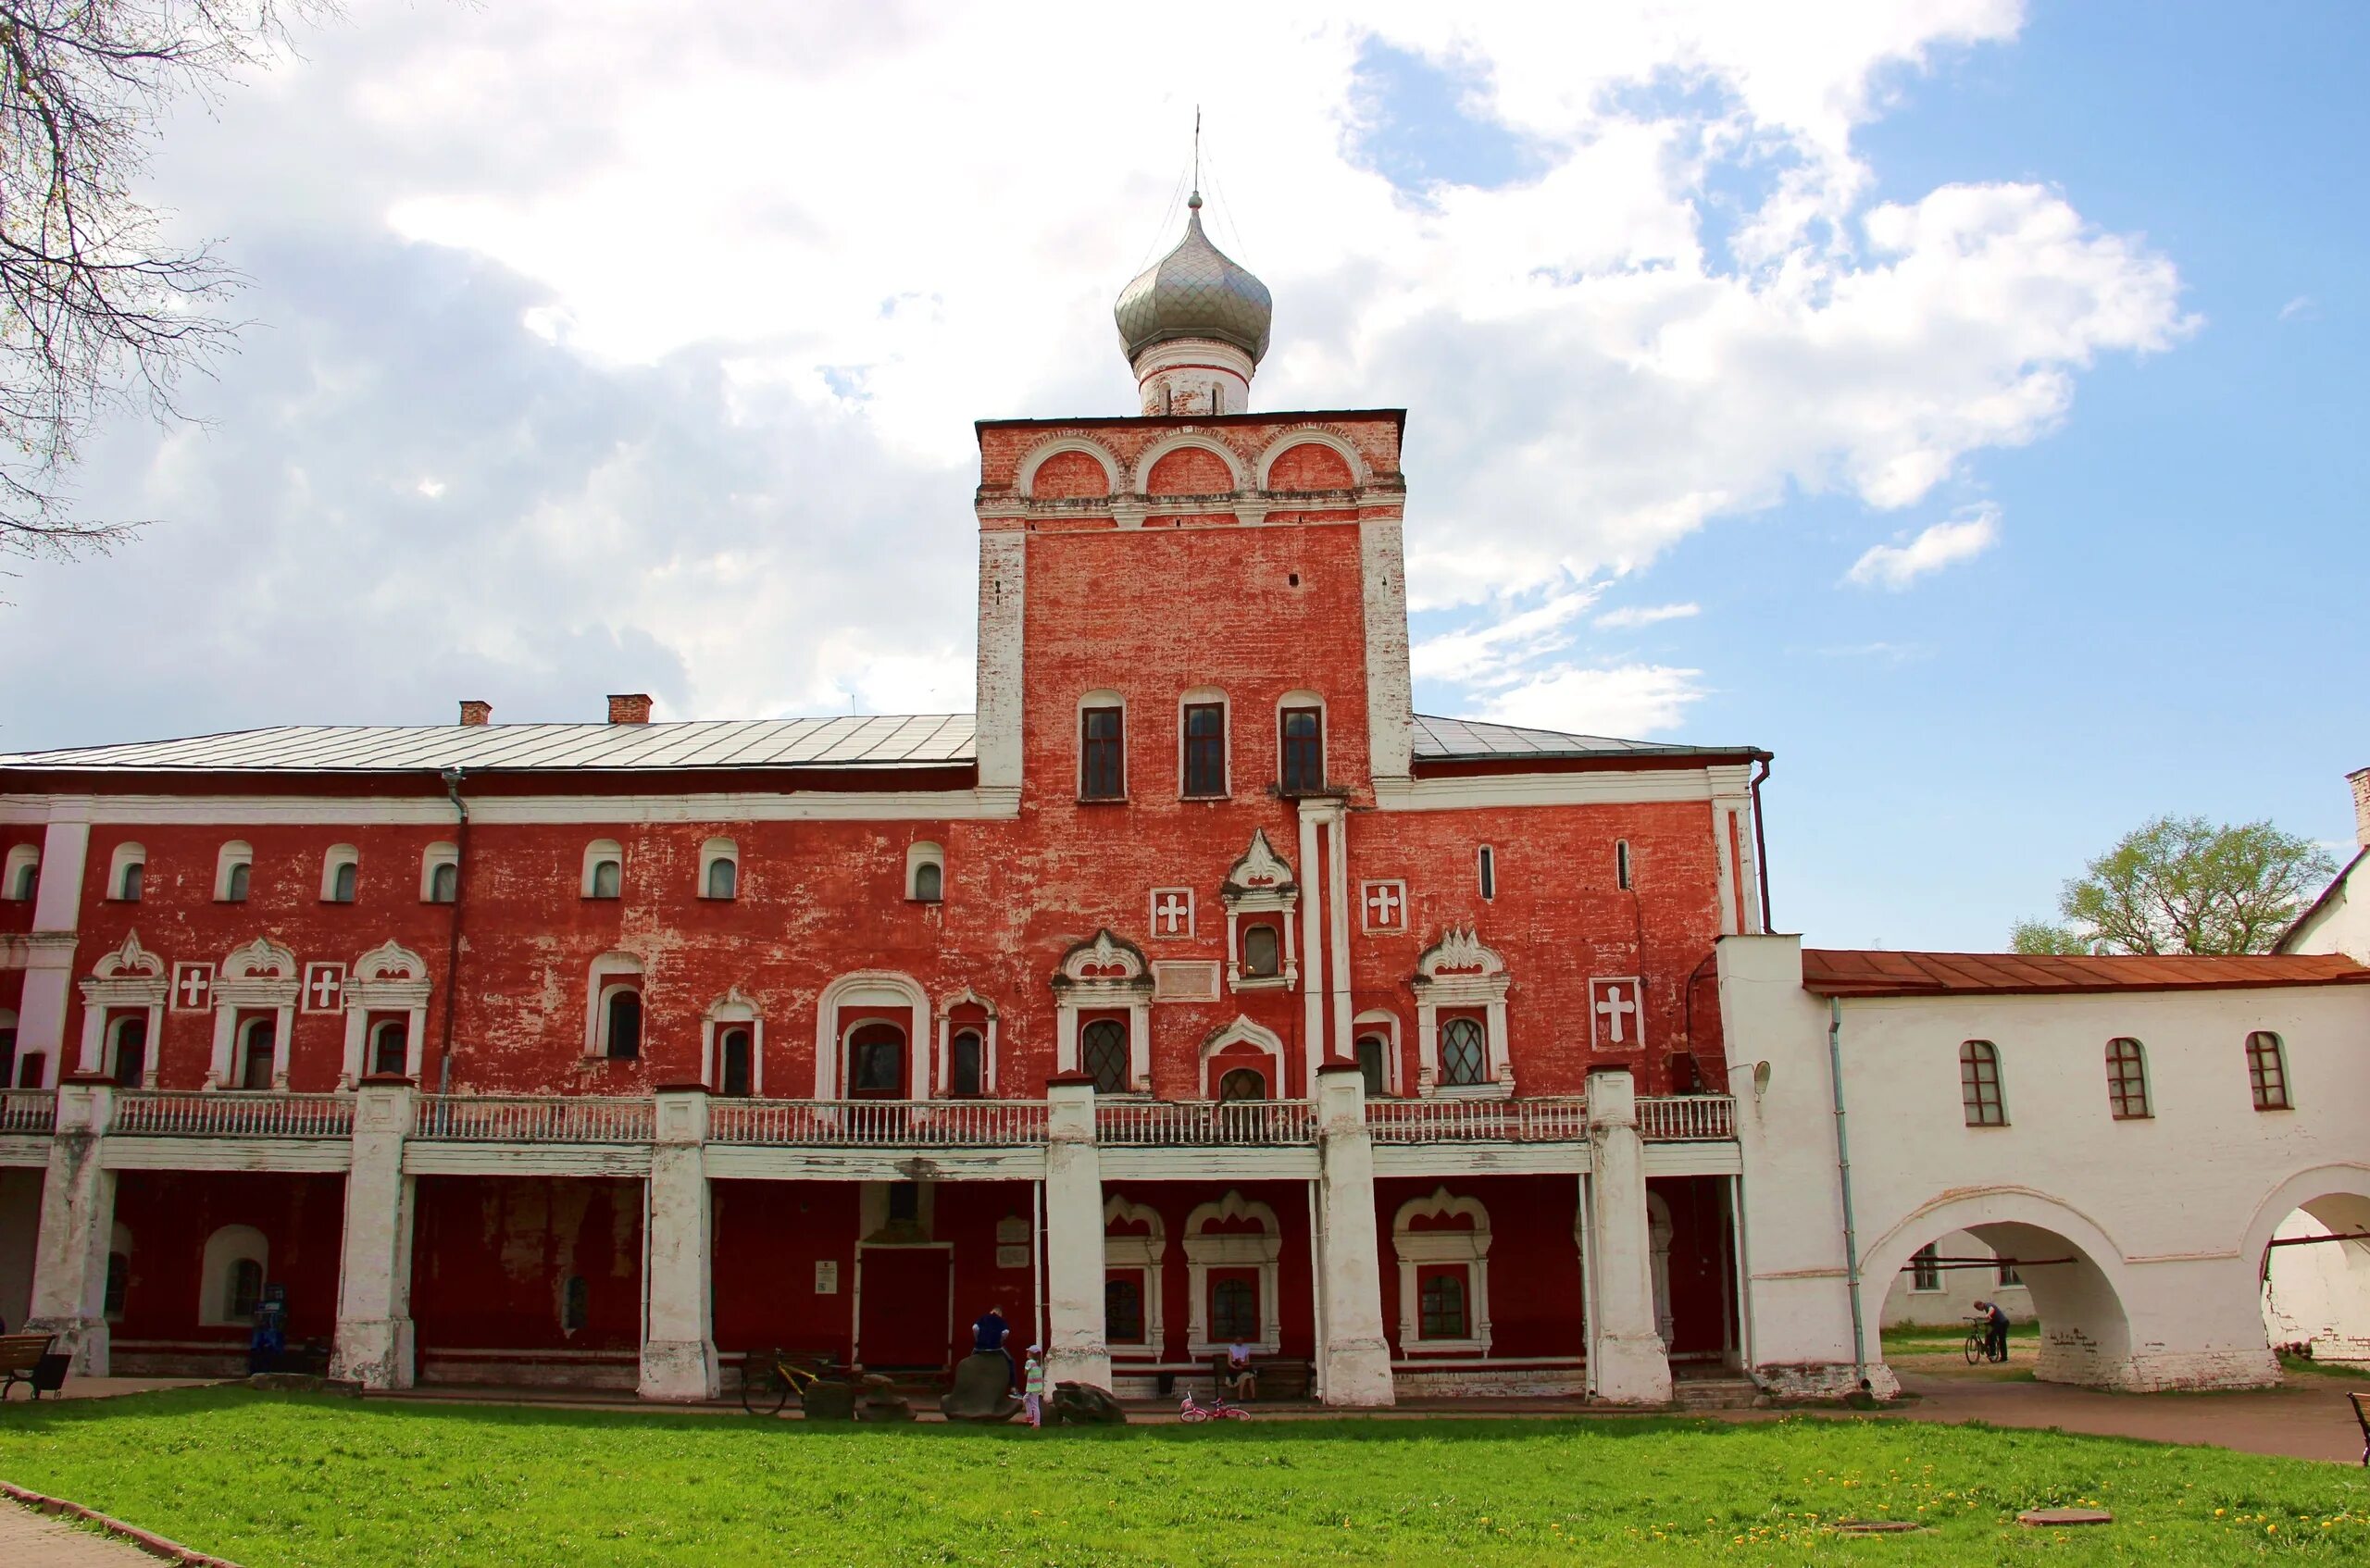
pixel 1241 1378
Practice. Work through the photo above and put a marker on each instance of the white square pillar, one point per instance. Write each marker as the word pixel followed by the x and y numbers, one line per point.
pixel 1074 1274
pixel 374 1328
pixel 678 1344
pixel 1624 1349
pixel 77 1223
pixel 1353 1359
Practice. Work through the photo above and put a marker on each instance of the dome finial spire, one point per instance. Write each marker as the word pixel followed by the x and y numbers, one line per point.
pixel 1194 201
pixel 1195 324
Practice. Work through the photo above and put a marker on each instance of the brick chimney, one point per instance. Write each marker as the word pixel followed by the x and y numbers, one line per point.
pixel 476 713
pixel 2360 779
pixel 631 708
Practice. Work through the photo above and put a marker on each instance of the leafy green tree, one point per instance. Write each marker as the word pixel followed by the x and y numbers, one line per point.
pixel 2181 884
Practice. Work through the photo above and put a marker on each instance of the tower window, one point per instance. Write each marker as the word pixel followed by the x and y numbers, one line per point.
pixel 1487 862
pixel 1205 749
pixel 1304 750
pixel 1102 765
pixel 1621 869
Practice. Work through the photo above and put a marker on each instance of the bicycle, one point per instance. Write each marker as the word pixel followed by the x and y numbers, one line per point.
pixel 768 1378
pixel 1193 1412
pixel 1978 1342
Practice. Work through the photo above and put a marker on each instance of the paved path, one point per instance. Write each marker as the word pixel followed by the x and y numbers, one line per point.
pixel 30 1538
pixel 2306 1417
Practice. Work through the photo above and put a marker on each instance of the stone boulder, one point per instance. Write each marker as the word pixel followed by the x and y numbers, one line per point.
pixel 982 1390
pixel 882 1402
pixel 828 1401
pixel 1084 1404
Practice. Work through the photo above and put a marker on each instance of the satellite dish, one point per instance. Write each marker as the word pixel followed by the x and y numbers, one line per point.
pixel 1760 1079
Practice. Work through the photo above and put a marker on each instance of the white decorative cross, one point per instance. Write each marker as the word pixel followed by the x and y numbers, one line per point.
pixel 1615 1003
pixel 194 985
pixel 1383 901
pixel 326 984
pixel 1168 913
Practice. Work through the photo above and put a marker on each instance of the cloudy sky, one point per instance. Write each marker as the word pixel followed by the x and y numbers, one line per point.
pixel 1960 399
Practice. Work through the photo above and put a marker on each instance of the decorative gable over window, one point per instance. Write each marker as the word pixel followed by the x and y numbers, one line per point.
pixel 1105 974
pixel 1260 896
pixel 1461 1018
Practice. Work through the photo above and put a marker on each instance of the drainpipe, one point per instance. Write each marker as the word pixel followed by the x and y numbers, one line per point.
pixel 1843 1171
pixel 1760 845
pixel 453 778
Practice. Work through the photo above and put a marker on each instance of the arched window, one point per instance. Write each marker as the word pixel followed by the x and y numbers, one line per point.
pixel 1464 1053
pixel 1621 866
pixel 604 869
pixel 1103 747
pixel 445 882
pixel 232 868
pixel 967 1071
pixel 129 1050
pixel 621 1023
pixel 1242 1083
pixel 1103 1051
pixel 1201 744
pixel 127 873
pixel 1441 1306
pixel 925 871
pixel 1979 1084
pixel 1123 1311
pixel 245 1293
pixel 2126 1080
pixel 1372 1055
pixel 1301 743
pixel 877 1060
pixel 390 1048
pixel 22 877
pixel 719 869
pixel 736 1062
pixel 236 1260
pixel 2267 1071
pixel 258 1050
pixel 1262 950
pixel 341 874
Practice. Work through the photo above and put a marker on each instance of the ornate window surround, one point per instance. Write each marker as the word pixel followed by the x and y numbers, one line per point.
pixel 1236 1249
pixel 1243 1031
pixel 1458 971
pixel 883 996
pixel 1470 1248
pixel 1260 883
pixel 128 978
pixel 1384 1022
pixel 262 973
pixel 942 1076
pixel 734 1008
pixel 389 978
pixel 1107 974
pixel 609 973
pixel 1138 1253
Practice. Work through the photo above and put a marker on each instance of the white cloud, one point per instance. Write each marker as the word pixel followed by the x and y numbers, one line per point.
pixel 432 488
pixel 1631 615
pixel 1627 701
pixel 1935 546
pixel 2303 307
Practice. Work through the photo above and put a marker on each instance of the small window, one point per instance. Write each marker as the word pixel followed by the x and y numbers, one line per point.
pixel 736 1074
pixel 244 1290
pixel 719 869
pixel 2267 1071
pixel 1102 1053
pixel 621 1028
pixel 1103 763
pixel 877 1060
pixel 1242 1083
pixel 258 1061
pixel 1303 751
pixel 1487 862
pixel 390 1048
pixel 1123 1311
pixel 1979 1084
pixel 2008 1274
pixel 574 1303
pixel 128 874
pixel 439 874
pixel 2126 1080
pixel 1373 1054
pixel 925 873
pixel 1621 869
pixel 1440 1306
pixel 23 875
pixel 1924 1269
pixel 967 1073
pixel 341 874
pixel 1262 951
pixel 1234 1311
pixel 232 870
pixel 604 869
pixel 118 1285
pixel 131 1052
pixel 1204 740
pixel 1464 1054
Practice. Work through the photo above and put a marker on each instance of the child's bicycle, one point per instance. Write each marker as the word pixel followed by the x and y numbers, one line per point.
pixel 767 1378
pixel 1193 1412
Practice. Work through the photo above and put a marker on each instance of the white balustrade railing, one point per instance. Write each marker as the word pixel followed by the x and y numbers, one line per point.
pixel 486 1118
pixel 1685 1118
pixel 1540 1119
pixel 1171 1123
pixel 230 1113
pixel 879 1123
pixel 28 1110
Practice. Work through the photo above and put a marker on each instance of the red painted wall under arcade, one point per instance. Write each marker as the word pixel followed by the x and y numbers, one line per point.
pixel 489 1256
pixel 1534 1262
pixel 1174 1201
pixel 168 1215
pixel 1702 1266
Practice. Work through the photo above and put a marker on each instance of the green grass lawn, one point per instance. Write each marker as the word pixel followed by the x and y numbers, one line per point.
pixel 268 1480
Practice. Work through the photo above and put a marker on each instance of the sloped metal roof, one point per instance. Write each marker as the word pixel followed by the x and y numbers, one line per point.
pixel 1456 739
pixel 1863 972
pixel 880 741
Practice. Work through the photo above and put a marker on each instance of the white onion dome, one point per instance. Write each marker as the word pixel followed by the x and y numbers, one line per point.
pixel 1195 292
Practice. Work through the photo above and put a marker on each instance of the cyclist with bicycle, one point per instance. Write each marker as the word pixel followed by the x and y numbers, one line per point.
pixel 1995 1330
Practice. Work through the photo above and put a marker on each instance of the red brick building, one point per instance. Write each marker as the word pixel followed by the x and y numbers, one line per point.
pixel 604 1051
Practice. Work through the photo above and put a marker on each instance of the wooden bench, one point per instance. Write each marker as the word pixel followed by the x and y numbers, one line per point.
pixel 26 1358
pixel 1278 1376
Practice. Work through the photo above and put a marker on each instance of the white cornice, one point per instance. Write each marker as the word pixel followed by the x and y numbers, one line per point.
pixel 995 804
pixel 1481 791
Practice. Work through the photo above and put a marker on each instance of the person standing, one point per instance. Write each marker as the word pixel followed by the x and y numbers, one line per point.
pixel 1034 1392
pixel 1995 1330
